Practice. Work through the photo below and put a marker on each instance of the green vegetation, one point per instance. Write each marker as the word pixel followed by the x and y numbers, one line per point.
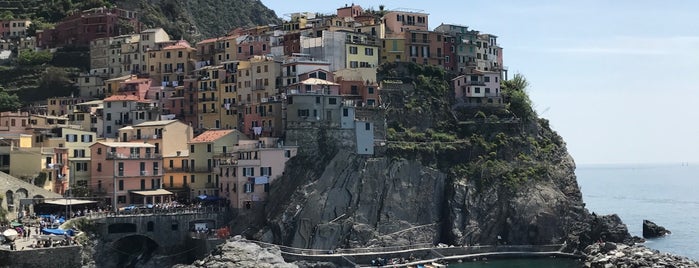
pixel 9 102
pixel 506 146
pixel 29 57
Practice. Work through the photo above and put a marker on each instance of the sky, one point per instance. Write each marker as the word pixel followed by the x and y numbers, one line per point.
pixel 617 79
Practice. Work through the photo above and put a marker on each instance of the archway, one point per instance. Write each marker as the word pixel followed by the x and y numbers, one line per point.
pixel 134 250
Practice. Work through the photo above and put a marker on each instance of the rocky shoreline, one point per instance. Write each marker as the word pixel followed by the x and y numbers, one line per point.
pixel 609 254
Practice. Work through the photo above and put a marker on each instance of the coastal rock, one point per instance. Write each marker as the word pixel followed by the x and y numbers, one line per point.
pixel 652 230
pixel 242 254
pixel 599 255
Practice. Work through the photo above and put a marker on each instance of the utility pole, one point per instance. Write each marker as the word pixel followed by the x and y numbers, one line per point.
pixel 114 175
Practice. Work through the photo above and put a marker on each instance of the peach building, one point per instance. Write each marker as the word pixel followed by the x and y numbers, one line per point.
pixel 120 169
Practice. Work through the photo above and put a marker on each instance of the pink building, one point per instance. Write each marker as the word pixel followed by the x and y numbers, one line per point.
pixel 138 87
pixel 14 123
pixel 250 168
pixel 132 167
pixel 349 11
pixel 398 22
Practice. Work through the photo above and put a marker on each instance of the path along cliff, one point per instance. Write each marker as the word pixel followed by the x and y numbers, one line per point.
pixel 459 175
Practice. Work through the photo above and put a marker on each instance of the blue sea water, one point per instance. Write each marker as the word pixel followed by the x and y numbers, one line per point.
pixel 665 194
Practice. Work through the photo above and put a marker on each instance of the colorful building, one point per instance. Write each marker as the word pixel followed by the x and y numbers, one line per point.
pixel 119 169
pixel 84 26
pixel 248 170
pixel 203 178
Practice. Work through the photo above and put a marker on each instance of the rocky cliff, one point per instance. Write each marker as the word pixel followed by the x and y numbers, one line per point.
pixel 446 174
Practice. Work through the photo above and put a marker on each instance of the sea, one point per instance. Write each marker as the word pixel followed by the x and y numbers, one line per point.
pixel 667 194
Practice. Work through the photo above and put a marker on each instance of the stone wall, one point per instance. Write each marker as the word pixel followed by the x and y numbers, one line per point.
pixel 68 256
pixel 12 190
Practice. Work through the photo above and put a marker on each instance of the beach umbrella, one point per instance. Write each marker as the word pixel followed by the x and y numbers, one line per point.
pixel 15 224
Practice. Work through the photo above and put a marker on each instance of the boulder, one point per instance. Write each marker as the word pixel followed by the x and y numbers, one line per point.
pixel 652 230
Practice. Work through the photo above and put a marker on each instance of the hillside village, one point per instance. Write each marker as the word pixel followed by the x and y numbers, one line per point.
pixel 158 119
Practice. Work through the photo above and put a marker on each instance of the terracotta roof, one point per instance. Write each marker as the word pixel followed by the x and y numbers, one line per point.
pixel 122 98
pixel 207 40
pixel 179 45
pixel 211 135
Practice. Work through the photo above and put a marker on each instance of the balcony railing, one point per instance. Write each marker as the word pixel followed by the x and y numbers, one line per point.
pixel 202 170
pixel 208 99
pixel 177 169
pixel 113 156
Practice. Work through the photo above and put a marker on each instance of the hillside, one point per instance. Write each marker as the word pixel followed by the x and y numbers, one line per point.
pixel 198 19
pixel 188 19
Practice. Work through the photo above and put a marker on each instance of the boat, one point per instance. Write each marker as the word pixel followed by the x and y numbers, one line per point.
pixel 10 234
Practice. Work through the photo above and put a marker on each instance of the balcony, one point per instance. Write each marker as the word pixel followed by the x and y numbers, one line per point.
pixel 202 170
pixel 208 99
pixel 258 87
pixel 118 156
pixel 210 185
pixel 177 169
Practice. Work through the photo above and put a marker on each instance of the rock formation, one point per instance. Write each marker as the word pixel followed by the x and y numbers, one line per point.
pixel 441 178
pixel 608 254
pixel 242 254
pixel 652 230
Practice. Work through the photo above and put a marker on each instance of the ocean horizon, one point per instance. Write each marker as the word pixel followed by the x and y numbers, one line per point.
pixel 664 193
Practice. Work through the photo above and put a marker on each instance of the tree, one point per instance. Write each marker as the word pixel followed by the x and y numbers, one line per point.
pixel 29 57
pixel 9 102
pixel 7 15
pixel 515 91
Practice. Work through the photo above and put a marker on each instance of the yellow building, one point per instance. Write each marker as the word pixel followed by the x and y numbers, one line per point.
pixel 392 50
pixel 202 151
pixel 229 95
pixel 169 65
pixel 35 164
pixel 209 96
pixel 78 144
pixel 175 178
pixel 361 52
pixel 168 136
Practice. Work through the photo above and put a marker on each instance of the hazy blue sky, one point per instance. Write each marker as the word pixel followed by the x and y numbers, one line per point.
pixel 616 78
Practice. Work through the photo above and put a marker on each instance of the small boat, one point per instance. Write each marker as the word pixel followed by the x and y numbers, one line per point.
pixel 10 234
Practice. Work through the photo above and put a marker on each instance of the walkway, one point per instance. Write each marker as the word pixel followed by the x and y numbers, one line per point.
pixel 412 255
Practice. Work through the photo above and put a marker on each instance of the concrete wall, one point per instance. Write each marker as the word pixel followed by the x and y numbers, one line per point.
pixel 68 256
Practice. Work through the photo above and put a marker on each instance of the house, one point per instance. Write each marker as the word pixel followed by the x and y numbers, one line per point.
pixel 121 169
pixel 122 110
pixel 169 64
pixel 203 178
pixel 247 171
pixel 77 143
pixel 398 21
pixel 168 136
pixel 45 166
pixel 478 88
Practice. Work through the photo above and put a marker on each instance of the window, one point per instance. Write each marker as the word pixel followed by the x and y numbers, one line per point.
pixel 99 150
pixel 303 112
pixel 266 171
pixel 345 112
pixel 248 172
pixel 192 179
pixel 367 126
pixel 354 64
pixel 249 188
pixel 121 185
pixel 369 51
pixel 370 90
pixel 99 167
pixel 353 50
pixel 208 148
pixel 486 79
pixel 332 101
pixel 287 153
pixel 191 148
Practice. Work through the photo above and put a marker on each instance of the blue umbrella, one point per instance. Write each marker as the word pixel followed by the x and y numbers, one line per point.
pixel 202 197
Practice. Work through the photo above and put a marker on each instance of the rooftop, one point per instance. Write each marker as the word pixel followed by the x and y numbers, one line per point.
pixel 211 135
pixel 122 98
pixel 126 144
pixel 155 123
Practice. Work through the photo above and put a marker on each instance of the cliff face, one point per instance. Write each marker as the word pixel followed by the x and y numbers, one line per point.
pixel 441 177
